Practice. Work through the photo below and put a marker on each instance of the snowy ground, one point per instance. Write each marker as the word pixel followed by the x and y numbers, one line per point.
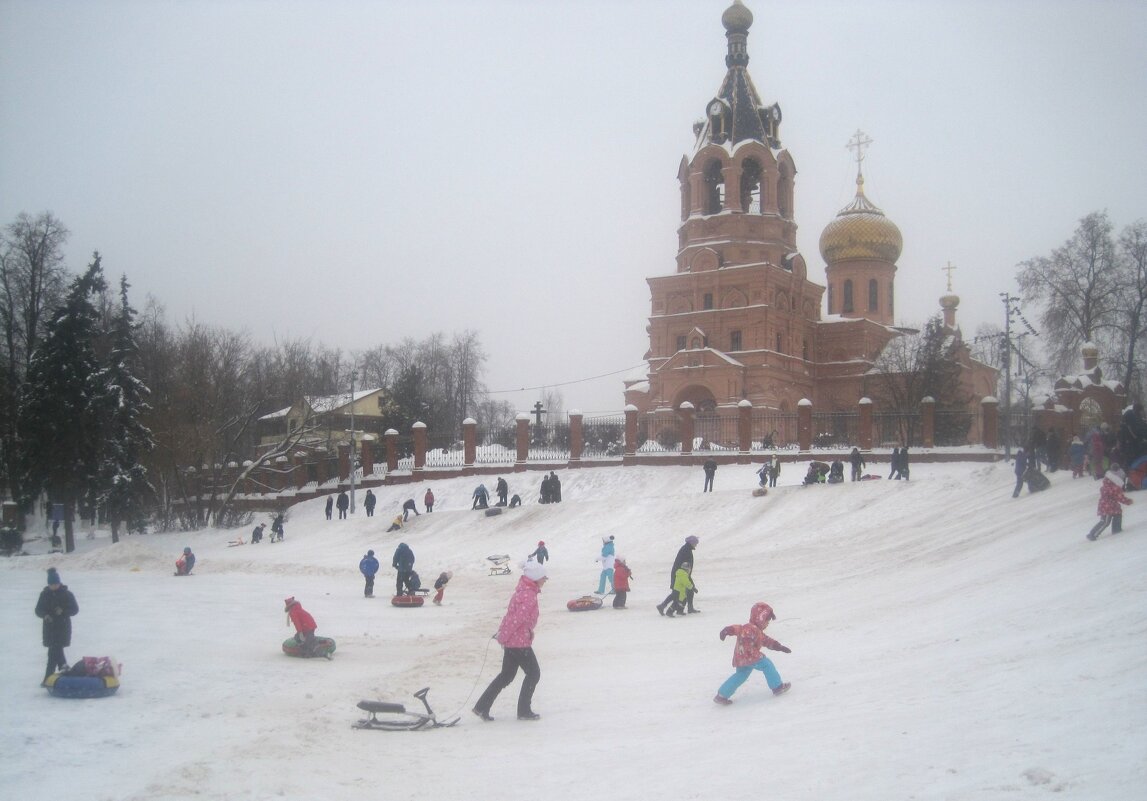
pixel 948 642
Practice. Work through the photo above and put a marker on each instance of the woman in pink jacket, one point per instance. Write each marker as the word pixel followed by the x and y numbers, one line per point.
pixel 516 634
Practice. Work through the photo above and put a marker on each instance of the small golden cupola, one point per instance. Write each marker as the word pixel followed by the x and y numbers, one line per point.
pixel 860 248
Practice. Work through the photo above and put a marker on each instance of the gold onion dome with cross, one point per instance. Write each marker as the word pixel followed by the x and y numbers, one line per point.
pixel 861 231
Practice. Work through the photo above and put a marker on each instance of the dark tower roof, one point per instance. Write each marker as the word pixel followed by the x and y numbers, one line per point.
pixel 743 115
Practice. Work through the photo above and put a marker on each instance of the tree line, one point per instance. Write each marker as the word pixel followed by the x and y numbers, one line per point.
pixel 102 408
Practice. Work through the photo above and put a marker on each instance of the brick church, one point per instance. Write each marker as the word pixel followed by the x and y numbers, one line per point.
pixel 739 319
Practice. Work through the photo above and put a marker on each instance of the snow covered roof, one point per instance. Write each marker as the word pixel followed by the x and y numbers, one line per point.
pixel 321 404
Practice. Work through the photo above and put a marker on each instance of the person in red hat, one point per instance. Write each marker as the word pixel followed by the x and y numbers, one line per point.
pixel 747 656
pixel 540 554
pixel 304 625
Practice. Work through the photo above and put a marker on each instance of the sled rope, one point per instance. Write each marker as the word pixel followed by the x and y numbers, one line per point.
pixel 477 678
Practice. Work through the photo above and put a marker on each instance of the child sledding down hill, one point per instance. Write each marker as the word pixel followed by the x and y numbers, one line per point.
pixel 747 656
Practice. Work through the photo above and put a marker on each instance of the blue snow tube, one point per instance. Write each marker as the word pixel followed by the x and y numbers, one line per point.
pixel 64 686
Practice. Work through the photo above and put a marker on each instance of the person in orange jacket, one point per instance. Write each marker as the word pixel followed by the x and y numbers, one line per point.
pixel 747 656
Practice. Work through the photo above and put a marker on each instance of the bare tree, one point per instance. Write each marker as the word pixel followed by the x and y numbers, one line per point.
pixel 1078 287
pixel 1131 331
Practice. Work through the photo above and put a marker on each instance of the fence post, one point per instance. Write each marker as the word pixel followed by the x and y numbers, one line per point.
pixel 300 470
pixel 865 409
pixel 366 448
pixel 419 432
pixel 990 409
pixel 577 436
pixel 469 444
pixel 391 450
pixel 344 461
pixel 685 411
pixel 928 421
pixel 745 429
pixel 523 421
pixel 630 454
pixel 804 424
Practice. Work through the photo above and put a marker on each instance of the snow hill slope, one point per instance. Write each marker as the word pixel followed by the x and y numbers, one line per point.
pixel 948 642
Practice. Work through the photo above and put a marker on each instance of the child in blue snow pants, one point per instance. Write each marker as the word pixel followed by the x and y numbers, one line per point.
pixel 606 576
pixel 741 675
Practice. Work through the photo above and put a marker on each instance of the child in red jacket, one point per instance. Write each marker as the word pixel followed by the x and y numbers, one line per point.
pixel 747 657
pixel 621 576
pixel 304 625
pixel 1110 497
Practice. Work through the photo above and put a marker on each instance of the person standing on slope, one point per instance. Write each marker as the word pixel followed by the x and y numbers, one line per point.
pixel 368 566
pixel 684 554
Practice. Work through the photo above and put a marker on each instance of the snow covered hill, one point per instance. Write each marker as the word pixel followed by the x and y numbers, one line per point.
pixel 948 642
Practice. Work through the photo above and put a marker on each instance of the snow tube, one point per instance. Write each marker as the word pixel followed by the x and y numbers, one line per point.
pixel 407 600
pixel 760 492
pixel 494 510
pixel 584 603
pixel 1137 474
pixel 324 646
pixel 63 686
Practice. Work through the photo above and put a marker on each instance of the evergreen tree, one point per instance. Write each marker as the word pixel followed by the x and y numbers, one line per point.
pixel 120 403
pixel 58 429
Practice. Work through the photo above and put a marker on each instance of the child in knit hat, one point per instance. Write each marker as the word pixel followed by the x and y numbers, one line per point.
pixel 1111 502
pixel 56 607
pixel 747 656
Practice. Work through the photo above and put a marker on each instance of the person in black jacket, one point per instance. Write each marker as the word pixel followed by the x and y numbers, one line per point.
pixel 343 503
pixel 502 490
pixel 368 503
pixel 56 607
pixel 857 460
pixel 403 562
pixel 684 555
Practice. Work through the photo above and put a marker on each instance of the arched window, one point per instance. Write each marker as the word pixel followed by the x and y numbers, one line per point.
pixel 714 188
pixel 751 187
pixel 847 305
pixel 831 298
pixel 779 343
pixel 804 349
pixel 785 193
pixel 872 295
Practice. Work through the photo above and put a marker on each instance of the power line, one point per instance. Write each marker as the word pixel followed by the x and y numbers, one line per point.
pixel 563 383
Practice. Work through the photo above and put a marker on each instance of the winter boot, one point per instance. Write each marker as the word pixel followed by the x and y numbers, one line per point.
pixel 529 716
pixel 784 688
pixel 722 700
pixel 482 714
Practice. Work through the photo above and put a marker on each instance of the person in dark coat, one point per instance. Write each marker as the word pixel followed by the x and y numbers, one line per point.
pixel 343 503
pixel 277 528
pixel 1054 450
pixel 1021 471
pixel 1037 447
pixel 894 463
pixel 555 488
pixel 56 607
pixel 368 566
pixel 502 490
pixel 481 497
pixel 902 464
pixel 858 463
pixel 185 563
pixel 330 506
pixel 544 492
pixel 710 468
pixel 368 503
pixel 257 533
pixel 428 500
pixel 403 562
pixel 407 508
pixel 684 556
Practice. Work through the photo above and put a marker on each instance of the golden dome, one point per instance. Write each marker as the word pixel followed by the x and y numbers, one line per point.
pixel 737 18
pixel 861 231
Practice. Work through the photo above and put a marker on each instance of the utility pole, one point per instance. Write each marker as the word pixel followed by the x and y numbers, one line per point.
pixel 1009 300
pixel 352 432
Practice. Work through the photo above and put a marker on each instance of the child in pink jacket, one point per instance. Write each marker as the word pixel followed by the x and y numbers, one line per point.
pixel 1111 502
pixel 747 656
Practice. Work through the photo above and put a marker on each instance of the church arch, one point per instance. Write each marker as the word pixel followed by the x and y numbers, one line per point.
pixel 699 395
pixel 752 201
pixel 714 187
pixel 733 299
pixel 873 295
pixel 846 301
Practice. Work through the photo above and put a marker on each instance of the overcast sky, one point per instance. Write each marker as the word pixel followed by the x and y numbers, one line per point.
pixel 359 172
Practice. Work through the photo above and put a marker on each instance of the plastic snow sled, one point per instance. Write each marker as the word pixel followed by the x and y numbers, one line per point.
pixel 760 492
pixel 91 677
pixel 493 510
pixel 1037 481
pixel 584 603
pixel 324 646
pixel 407 600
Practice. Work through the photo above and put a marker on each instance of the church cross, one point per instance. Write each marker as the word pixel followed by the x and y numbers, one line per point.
pixel 948 270
pixel 859 143
pixel 538 412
